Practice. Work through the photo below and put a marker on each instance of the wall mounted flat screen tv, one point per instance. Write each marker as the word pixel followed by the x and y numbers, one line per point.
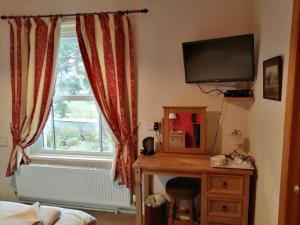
pixel 229 59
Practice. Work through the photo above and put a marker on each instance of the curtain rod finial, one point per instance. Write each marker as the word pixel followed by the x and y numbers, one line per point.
pixel 145 10
pixel 3 17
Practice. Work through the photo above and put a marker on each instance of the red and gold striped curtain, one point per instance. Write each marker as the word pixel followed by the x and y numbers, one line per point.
pixel 33 46
pixel 105 43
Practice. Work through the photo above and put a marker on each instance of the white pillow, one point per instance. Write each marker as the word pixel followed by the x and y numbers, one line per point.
pixel 70 219
pixel 27 216
pixel 50 215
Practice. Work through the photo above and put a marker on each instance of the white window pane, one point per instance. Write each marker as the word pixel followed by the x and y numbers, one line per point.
pixel 75 135
pixel 71 76
pixel 48 134
pixel 75 123
pixel 107 142
pixel 76 110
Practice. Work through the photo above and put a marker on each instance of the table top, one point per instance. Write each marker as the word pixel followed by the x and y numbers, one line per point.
pixel 191 165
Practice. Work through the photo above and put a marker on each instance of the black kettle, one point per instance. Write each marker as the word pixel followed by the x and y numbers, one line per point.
pixel 148 146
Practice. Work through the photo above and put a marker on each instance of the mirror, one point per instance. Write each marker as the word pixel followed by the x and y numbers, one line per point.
pixel 184 130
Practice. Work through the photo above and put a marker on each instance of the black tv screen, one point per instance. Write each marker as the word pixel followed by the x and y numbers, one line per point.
pixel 227 59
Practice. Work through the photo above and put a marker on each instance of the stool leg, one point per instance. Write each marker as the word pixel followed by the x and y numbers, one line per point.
pixel 171 211
pixel 194 210
pixel 191 206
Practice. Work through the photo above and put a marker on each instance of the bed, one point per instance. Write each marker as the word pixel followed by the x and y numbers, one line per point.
pixel 13 213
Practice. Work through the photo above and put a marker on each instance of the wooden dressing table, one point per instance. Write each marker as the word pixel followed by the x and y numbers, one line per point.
pixel 224 192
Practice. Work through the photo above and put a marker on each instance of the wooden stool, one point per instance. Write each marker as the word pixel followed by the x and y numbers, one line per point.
pixel 180 189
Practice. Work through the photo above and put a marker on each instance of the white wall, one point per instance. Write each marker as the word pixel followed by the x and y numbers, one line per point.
pixel 266 118
pixel 5 118
pixel 159 54
pixel 158 38
pixel 160 63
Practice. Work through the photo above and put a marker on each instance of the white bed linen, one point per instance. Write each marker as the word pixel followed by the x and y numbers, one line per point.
pixel 48 214
pixel 10 215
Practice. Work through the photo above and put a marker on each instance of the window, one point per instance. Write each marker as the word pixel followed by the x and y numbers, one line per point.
pixel 75 123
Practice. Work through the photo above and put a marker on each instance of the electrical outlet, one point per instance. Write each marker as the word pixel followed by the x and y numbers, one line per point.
pixel 152 126
pixel 3 142
pixel 156 126
pixel 149 125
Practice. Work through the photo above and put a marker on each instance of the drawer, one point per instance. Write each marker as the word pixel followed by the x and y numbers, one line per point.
pixel 176 144
pixel 225 184
pixel 176 137
pixel 228 208
pixel 176 141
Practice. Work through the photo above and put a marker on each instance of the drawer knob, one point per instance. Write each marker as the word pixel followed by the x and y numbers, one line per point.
pixel 224 208
pixel 225 185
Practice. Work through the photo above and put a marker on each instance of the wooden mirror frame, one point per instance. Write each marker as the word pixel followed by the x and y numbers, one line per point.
pixel 202 112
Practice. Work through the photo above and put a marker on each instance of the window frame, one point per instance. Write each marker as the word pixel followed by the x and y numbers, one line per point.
pixel 38 150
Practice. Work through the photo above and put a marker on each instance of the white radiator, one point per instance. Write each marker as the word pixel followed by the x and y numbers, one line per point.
pixel 62 184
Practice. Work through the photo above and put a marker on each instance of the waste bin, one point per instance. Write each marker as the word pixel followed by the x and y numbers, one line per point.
pixel 155 210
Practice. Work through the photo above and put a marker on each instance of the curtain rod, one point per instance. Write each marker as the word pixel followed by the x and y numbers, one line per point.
pixel 122 12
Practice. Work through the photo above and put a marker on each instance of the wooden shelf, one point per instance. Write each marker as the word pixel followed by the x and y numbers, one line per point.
pixel 239 99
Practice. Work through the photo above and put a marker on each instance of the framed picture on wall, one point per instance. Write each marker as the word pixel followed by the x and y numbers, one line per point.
pixel 272 78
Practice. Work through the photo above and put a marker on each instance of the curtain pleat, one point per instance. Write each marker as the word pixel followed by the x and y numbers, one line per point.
pixel 105 43
pixel 33 48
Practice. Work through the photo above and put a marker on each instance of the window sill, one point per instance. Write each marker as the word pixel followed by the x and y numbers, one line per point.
pixel 72 160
